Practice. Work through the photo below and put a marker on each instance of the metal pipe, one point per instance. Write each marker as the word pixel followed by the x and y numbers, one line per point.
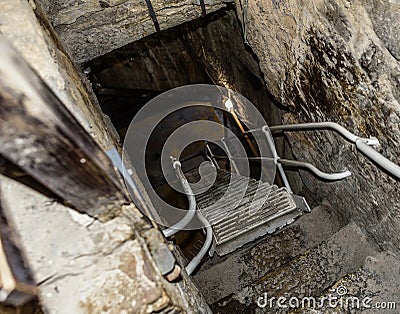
pixel 126 174
pixel 153 15
pixel 203 8
pixel 205 248
pixel 181 224
pixel 316 171
pixel 229 106
pixel 187 218
pixel 376 157
pixel 210 154
pixel 245 21
pixel 295 163
pixel 271 144
pixel 228 152
pixel 362 144
pixel 372 141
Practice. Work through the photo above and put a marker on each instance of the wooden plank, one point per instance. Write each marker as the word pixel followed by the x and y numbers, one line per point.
pixel 41 137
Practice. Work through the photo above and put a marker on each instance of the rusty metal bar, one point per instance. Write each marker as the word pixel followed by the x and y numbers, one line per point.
pixel 203 8
pixel 153 15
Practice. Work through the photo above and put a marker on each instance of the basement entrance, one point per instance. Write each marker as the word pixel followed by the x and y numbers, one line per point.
pixel 208 50
pixel 211 50
pixel 111 262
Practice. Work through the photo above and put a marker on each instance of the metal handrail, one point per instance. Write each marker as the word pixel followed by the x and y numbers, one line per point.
pixel 234 166
pixel 295 163
pixel 205 248
pixel 379 159
pixel 181 224
pixel 362 144
pixel 323 175
pixel 351 137
pixel 271 144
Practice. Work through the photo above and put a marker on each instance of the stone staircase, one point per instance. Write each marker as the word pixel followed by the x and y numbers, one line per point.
pixel 303 260
pixel 308 258
pixel 297 262
pixel 373 288
pixel 259 258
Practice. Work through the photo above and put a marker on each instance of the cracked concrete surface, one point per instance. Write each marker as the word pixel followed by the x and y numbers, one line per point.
pixel 82 265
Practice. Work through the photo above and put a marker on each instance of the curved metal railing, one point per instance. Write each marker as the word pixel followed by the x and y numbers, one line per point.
pixel 181 224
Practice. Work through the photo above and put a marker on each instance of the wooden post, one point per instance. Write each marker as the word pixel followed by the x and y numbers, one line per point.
pixel 41 137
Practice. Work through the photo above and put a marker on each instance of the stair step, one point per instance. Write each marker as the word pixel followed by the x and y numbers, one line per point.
pixel 220 277
pixel 231 206
pixel 308 274
pixel 374 284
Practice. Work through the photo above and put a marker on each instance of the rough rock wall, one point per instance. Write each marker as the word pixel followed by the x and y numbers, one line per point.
pixel 385 17
pixel 92 28
pixel 337 60
pixel 85 266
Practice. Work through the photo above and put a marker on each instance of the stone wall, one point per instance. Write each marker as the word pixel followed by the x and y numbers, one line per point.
pixel 337 60
pixel 76 259
pixel 92 28
pixel 322 60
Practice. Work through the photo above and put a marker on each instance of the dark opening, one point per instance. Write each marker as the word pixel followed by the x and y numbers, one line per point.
pixel 208 50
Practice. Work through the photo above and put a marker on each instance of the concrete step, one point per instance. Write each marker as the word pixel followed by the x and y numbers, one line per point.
pixel 373 288
pixel 221 277
pixel 308 275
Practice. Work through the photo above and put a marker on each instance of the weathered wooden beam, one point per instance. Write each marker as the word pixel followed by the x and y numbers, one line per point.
pixel 40 136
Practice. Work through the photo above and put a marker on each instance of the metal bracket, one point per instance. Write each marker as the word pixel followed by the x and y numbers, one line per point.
pixel 203 6
pixel 301 203
pixel 245 7
pixel 153 15
pixel 160 252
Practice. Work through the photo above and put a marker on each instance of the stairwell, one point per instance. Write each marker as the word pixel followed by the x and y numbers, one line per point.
pixel 338 62
pixel 311 257
pixel 306 259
